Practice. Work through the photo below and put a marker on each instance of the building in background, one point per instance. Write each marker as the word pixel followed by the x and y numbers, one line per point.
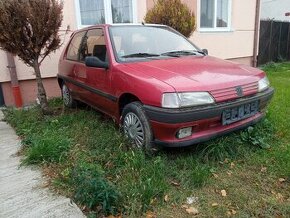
pixel 225 27
pixel 275 10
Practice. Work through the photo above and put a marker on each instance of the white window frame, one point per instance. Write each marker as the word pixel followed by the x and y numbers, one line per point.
pixel 107 12
pixel 215 28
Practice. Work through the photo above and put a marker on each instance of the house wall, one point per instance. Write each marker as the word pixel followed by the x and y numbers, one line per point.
pixel 236 44
pixel 275 9
pixel 28 89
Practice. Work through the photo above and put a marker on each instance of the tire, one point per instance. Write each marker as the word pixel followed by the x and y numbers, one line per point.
pixel 68 100
pixel 136 126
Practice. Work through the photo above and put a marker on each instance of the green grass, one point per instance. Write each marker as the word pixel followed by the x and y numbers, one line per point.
pixel 88 159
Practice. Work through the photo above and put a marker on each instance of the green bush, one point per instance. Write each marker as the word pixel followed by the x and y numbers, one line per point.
pixel 172 13
pixel 93 190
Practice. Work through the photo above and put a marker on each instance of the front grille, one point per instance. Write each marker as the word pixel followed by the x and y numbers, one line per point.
pixel 221 95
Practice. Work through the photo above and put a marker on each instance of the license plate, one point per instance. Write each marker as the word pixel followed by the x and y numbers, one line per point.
pixel 239 113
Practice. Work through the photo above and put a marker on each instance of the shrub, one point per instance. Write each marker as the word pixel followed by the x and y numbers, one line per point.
pixel 29 29
pixel 174 14
pixel 92 189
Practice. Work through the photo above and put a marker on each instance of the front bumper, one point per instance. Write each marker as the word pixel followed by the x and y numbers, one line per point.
pixel 206 120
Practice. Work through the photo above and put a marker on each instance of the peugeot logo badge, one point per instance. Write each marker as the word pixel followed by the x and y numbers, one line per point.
pixel 239 91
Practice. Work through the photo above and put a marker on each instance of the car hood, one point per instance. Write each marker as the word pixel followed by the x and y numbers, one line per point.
pixel 198 73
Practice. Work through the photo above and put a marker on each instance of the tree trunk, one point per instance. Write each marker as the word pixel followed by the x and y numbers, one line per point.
pixel 41 94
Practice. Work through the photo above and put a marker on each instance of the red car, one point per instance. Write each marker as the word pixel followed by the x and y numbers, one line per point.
pixel 161 88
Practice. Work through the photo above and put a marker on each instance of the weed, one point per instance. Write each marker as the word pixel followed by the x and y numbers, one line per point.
pixel 47 148
pixel 93 190
pixel 259 135
pixel 142 180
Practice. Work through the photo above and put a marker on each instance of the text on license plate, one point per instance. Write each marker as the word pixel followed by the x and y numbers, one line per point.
pixel 240 112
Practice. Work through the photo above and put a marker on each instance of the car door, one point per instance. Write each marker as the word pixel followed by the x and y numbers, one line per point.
pixel 72 65
pixel 97 80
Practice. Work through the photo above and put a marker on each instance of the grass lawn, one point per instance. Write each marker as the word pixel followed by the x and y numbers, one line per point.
pixel 245 174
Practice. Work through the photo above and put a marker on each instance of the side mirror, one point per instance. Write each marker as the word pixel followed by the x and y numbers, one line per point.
pixel 92 61
pixel 205 51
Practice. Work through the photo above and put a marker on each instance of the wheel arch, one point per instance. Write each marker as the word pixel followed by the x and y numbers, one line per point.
pixel 126 98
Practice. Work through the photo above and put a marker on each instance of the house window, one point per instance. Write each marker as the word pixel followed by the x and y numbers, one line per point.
pixel 122 11
pixel 92 12
pixel 215 14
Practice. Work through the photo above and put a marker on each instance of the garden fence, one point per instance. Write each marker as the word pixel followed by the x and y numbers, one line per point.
pixel 274 41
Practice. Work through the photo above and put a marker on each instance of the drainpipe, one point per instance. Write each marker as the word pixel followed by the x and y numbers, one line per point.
pixel 256 33
pixel 14 80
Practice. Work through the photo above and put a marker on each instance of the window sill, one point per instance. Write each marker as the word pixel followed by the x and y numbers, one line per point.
pixel 215 30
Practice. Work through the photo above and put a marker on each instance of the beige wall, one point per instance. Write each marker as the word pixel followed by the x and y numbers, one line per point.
pixel 234 44
pixel 141 10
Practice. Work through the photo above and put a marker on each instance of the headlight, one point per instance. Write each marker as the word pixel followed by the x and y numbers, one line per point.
pixel 263 84
pixel 186 99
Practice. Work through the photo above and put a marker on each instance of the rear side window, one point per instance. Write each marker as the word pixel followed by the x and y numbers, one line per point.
pixel 74 47
pixel 94 45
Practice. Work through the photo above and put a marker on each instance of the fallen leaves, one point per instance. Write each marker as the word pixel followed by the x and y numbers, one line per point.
pixel 279 197
pixel 281 180
pixel 214 204
pixel 232 165
pixel 175 183
pixel 264 169
pixel 150 214
pixel 231 212
pixel 215 175
pixel 192 211
pixel 166 198
pixel 223 193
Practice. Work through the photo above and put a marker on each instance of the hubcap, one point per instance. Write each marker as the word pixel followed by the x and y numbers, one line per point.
pixel 133 129
pixel 65 95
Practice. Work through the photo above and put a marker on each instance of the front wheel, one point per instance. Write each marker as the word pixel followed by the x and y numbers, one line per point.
pixel 136 126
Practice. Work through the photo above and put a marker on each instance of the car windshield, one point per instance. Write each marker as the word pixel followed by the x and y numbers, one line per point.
pixel 149 42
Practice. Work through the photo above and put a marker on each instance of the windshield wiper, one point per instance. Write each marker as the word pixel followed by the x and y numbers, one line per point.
pixel 140 55
pixel 181 53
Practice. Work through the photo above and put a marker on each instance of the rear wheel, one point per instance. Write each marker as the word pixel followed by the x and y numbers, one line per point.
pixel 136 126
pixel 68 100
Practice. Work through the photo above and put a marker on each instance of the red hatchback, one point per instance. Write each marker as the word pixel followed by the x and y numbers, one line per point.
pixel 161 88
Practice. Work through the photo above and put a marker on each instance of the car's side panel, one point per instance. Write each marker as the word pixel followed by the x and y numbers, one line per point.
pixel 68 68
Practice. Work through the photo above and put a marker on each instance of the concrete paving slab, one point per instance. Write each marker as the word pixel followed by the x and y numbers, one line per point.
pixel 21 188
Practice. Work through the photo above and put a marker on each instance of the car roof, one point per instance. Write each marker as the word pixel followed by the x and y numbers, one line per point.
pixel 120 24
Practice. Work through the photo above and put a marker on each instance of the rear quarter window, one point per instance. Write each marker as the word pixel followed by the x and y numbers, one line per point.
pixel 74 46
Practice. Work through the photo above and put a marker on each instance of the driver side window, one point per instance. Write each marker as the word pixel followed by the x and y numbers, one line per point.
pixel 94 45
